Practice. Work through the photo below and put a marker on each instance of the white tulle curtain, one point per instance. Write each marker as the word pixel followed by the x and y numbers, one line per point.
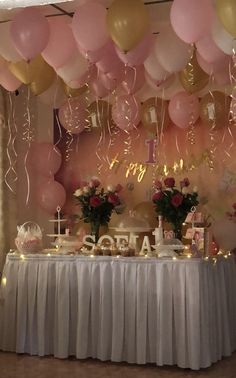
pixel 7 199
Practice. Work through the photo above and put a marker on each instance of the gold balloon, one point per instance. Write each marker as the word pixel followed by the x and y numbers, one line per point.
pixel 44 79
pixel 74 92
pixel 226 11
pixel 192 77
pixel 26 72
pixel 214 109
pixel 99 116
pixel 154 115
pixel 127 22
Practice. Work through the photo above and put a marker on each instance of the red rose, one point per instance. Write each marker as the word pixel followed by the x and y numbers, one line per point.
pixel 158 184
pixel 184 182
pixel 177 199
pixel 234 206
pixel 113 199
pixel 157 196
pixel 169 182
pixel 95 201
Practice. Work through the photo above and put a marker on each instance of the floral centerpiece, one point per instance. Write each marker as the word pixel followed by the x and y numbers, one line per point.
pixel 174 204
pixel 97 204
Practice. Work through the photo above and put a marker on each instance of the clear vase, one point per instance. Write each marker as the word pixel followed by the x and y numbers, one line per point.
pixel 95 227
pixel 177 228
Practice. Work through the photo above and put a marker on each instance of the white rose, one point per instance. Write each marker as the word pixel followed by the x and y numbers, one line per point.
pixel 169 190
pixel 185 190
pixel 86 189
pixel 78 192
pixel 195 189
pixel 110 188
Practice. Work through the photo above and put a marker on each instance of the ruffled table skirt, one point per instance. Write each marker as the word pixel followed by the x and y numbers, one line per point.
pixel 120 309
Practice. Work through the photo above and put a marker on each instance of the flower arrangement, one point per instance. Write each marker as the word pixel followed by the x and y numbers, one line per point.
pixel 98 204
pixel 174 204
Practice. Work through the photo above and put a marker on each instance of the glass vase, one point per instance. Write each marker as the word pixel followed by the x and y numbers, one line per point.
pixel 177 228
pixel 95 227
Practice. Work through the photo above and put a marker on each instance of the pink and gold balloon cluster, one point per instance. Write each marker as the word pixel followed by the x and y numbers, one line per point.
pixel 113 52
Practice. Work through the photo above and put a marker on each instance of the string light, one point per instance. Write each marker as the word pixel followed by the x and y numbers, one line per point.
pixel 4 281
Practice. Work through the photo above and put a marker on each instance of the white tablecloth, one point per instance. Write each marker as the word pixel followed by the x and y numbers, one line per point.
pixel 136 310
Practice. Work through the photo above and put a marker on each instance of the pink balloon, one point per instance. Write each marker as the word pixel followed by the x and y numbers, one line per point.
pixel 109 83
pixel 50 195
pixel 45 158
pixel 212 68
pixel 126 112
pixel 191 19
pixel 117 73
pixel 208 49
pixel 85 78
pixel 72 115
pixel 134 79
pixel 222 77
pixel 98 89
pixel 61 45
pixel 7 48
pixel 109 62
pixel 95 56
pixel 89 26
pixel 139 54
pixel 184 109
pixel 8 80
pixel 29 32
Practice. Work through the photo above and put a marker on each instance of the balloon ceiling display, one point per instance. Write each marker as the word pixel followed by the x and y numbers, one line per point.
pixel 112 55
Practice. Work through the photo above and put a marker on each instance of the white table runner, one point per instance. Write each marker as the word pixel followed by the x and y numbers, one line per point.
pixel 136 310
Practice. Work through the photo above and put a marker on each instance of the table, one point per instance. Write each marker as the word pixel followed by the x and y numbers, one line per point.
pixel 138 310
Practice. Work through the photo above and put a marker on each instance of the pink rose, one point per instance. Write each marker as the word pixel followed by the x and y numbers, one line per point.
pixel 177 199
pixel 118 188
pixel 169 182
pixel 113 199
pixel 157 196
pixel 158 184
pixel 95 201
pixel 184 182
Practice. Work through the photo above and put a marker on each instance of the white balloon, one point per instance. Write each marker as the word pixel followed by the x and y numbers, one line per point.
pixel 172 53
pixel 224 232
pixel 168 93
pixel 154 69
pixel 222 38
pixel 146 92
pixel 76 67
pixel 7 49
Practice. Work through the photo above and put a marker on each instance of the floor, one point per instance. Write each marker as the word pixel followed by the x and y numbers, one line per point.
pixel 23 366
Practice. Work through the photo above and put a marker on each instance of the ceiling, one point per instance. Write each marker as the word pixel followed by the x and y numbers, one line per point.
pixel 158 10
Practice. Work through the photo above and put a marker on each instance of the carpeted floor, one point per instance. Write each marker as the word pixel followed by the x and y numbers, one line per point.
pixel 23 366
